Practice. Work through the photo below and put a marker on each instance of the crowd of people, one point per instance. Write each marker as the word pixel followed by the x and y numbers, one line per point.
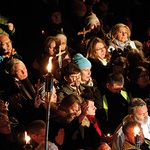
pixel 97 89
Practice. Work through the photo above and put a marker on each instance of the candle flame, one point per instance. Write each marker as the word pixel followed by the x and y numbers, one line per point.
pixel 136 130
pixel 49 66
pixel 27 138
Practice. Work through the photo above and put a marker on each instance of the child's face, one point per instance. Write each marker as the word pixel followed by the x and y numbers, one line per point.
pixel 74 79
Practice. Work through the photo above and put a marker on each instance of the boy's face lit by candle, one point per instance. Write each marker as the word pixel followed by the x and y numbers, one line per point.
pixel 130 136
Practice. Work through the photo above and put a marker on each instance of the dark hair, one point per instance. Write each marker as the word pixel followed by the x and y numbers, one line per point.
pixel 135 57
pixel 68 101
pixel 115 78
pixel 136 72
pixel 71 68
pixel 35 127
pixel 129 124
pixel 120 61
pixel 87 94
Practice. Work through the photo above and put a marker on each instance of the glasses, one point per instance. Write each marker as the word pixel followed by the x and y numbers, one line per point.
pixel 143 76
pixel 101 48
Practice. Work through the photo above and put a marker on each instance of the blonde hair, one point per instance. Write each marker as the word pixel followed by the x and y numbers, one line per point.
pixel 61 36
pixel 114 30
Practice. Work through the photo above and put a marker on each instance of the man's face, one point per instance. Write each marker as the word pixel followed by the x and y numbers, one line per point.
pixel 115 88
pixel 141 114
pixel 21 71
pixel 40 137
pixel 56 17
pixel 5 46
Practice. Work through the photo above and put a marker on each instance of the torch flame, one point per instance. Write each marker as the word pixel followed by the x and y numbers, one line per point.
pixel 49 66
pixel 27 138
pixel 136 130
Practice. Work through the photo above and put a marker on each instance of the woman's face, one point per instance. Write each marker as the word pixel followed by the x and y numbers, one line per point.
pixel 52 48
pixel 100 50
pixel 85 74
pixel 91 108
pixel 143 79
pixel 73 110
pixel 63 43
pixel 122 34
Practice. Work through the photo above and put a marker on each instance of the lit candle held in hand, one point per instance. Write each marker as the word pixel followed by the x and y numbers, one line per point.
pixel 48 88
pixel 28 146
pixel 137 137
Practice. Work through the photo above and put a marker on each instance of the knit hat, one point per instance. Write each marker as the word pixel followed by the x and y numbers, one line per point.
pixel 91 18
pixel 81 61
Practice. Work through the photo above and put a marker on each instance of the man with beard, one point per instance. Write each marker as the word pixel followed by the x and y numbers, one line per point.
pixel 139 112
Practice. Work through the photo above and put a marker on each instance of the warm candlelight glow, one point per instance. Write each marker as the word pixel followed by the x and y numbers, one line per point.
pixel 49 66
pixel 27 138
pixel 136 130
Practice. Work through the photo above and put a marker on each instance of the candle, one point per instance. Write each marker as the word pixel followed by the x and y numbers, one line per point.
pixel 108 134
pixel 28 146
pixel 49 78
pixel 137 137
pixel 48 88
